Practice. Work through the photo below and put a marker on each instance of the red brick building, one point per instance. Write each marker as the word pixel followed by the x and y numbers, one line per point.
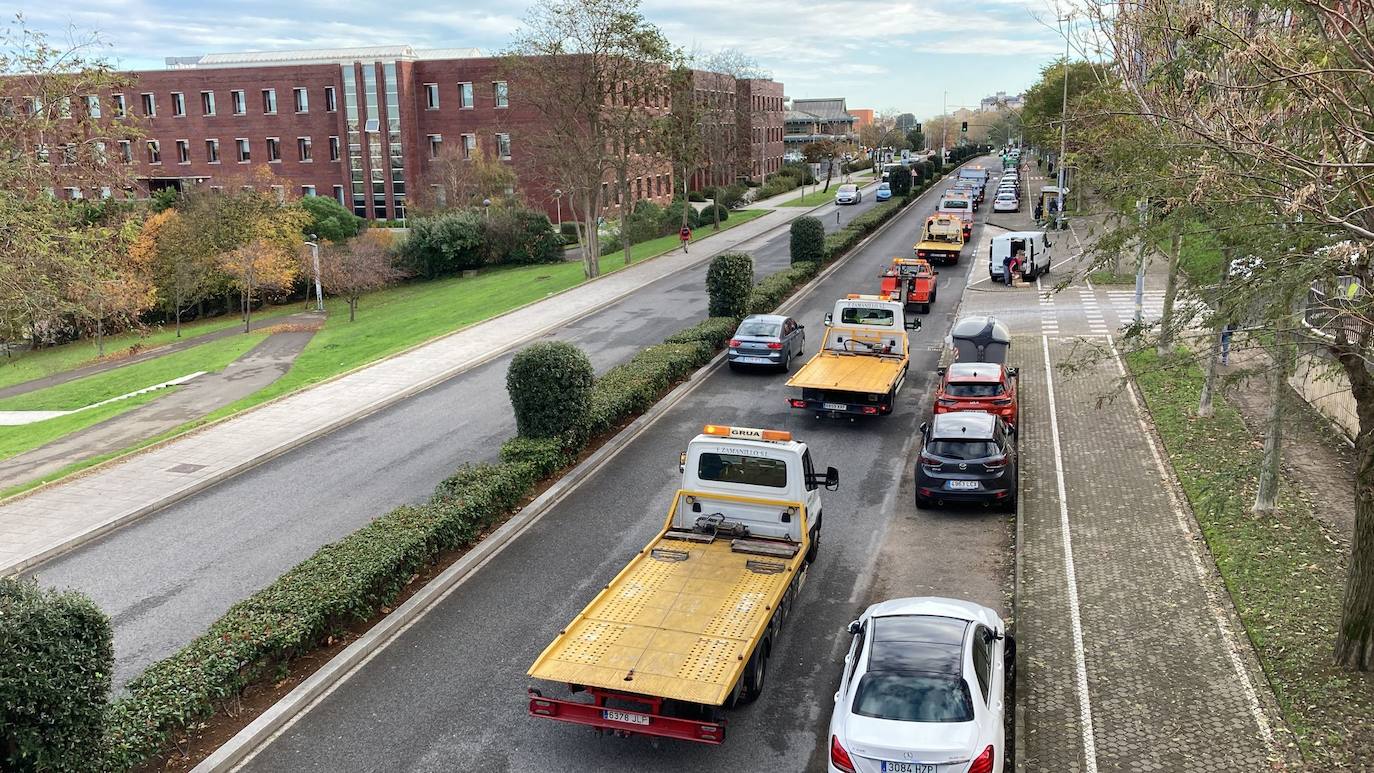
pixel 361 125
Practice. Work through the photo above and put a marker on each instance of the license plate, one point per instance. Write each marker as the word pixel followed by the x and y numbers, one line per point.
pixel 963 484
pixel 908 767
pixel 754 360
pixel 835 406
pixel 628 717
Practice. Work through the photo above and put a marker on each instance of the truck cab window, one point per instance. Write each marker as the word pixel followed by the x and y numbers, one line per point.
pixel 853 315
pixel 808 471
pixel 745 470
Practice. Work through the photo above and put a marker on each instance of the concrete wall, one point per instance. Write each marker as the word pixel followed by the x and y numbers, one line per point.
pixel 1326 389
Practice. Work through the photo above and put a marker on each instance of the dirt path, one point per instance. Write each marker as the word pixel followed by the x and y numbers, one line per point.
pixel 259 367
pixel 1314 453
pixel 303 318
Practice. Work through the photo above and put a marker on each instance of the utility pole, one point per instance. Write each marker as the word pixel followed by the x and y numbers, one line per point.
pixel 1143 207
pixel 315 261
pixel 1064 123
pixel 944 126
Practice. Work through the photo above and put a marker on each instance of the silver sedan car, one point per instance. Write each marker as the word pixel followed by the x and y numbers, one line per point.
pixel 767 340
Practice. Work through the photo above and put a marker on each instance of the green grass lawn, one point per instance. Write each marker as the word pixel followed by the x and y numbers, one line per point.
pixel 208 357
pixel 814 198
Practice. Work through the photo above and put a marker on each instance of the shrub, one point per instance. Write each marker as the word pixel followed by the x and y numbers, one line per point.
pixel 728 282
pixel 710 212
pixel 900 179
pixel 329 220
pixel 634 386
pixel 837 243
pixel 697 196
pixel 644 223
pixel 799 170
pixel 730 196
pixel 56 657
pixel 774 289
pixel 444 244
pixel 520 237
pixel 715 331
pixel 671 219
pixel 807 240
pixel 550 386
pixel 545 455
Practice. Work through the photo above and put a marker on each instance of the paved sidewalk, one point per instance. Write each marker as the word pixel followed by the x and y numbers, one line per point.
pixel 51 520
pixel 1131 658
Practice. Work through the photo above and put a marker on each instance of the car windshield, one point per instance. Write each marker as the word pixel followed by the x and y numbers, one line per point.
pixel 962 450
pixel 748 470
pixel 860 316
pixel 983 389
pixel 908 697
pixel 885 187
pixel 847 189
pixel 759 328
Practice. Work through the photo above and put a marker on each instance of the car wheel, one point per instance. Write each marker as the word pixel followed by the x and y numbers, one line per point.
pixel 815 548
pixel 1047 266
pixel 786 363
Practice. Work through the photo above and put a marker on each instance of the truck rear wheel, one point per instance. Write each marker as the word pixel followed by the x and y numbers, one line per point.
pixel 756 673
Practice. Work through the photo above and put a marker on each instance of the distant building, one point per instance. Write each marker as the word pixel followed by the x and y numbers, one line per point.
pixel 863 116
pixel 1001 101
pixel 809 120
pixel 906 122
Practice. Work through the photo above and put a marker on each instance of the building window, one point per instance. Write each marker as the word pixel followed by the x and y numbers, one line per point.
pixel 240 101
pixel 126 151
pixel 431 96
pixel 303 148
pixel 499 93
pixel 183 152
pixel 339 195
pixel 207 103
pixel 117 101
pixel 72 193
pixel 333 148
pixel 212 151
pixel 244 156
pixel 307 190
pixel 269 101
pixel 302 100
pixel 93 107
pixel 273 150
pixel 105 192
pixel 330 103
pixel 436 143
pixel 154 152
pixel 503 146
pixel 178 104
pixel 149 104
pixel 465 96
pixel 469 145
pixel 218 190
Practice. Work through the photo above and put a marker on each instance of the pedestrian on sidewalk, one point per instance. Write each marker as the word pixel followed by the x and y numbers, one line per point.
pixel 1018 264
pixel 1038 211
pixel 1006 270
pixel 686 236
pixel 1225 343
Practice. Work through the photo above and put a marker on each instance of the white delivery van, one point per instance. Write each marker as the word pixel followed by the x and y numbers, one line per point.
pixel 1037 254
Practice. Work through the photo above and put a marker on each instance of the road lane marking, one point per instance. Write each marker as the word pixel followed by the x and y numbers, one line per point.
pixel 1071 577
pixel 1228 636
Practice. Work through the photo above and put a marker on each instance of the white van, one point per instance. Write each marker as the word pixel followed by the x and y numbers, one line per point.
pixel 1037 254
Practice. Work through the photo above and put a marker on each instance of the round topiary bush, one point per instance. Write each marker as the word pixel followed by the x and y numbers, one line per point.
pixel 729 281
pixel 706 215
pixel 550 385
pixel 900 179
pixel 808 240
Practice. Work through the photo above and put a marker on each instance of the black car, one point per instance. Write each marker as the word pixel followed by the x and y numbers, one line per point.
pixel 967 456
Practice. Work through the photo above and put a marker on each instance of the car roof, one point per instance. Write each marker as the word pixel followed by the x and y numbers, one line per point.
pixel 918 643
pixel 963 425
pixel 975 372
pixel 933 605
pixel 1009 235
pixel 763 318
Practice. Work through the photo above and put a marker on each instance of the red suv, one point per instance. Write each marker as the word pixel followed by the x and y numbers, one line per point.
pixel 978 386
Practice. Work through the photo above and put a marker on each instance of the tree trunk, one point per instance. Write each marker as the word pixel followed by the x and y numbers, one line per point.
pixel 1267 492
pixel 591 253
pixel 352 308
pixel 1209 384
pixel 624 179
pixel 1165 341
pixel 1355 637
pixel 178 303
pixel 829 170
pixel 715 212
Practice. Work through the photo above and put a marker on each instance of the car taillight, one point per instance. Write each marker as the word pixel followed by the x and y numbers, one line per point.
pixel 929 461
pixel 840 758
pixel 983 764
pixel 797 403
pixel 996 463
pixel 775 346
pixel 734 342
pixel 1002 401
pixel 920 253
pixel 871 410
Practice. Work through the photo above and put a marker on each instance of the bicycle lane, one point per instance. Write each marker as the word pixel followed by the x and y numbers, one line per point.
pixel 1131 657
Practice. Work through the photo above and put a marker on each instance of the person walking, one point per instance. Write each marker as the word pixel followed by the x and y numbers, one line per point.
pixel 1225 343
pixel 685 235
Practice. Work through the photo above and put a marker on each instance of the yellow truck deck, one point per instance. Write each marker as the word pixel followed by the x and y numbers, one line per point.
pixel 678 622
pixel 862 373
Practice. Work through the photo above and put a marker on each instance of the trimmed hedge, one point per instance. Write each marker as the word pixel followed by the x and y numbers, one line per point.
pixel 546 455
pixel 550 386
pixel 707 216
pixel 632 387
pixel 900 180
pixel 807 240
pixel 728 282
pixel 56 657
pixel 774 289
pixel 715 331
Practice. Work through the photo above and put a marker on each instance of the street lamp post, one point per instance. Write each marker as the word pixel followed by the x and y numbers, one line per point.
pixel 1063 121
pixel 315 261
pixel 558 195
pixel 486 208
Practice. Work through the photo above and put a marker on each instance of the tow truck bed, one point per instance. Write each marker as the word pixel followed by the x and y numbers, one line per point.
pixel 859 373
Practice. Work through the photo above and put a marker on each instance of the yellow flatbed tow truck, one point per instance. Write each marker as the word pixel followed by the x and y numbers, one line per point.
pixel 862 362
pixel 684 631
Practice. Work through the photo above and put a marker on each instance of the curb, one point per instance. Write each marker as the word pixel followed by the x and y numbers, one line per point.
pixel 276 718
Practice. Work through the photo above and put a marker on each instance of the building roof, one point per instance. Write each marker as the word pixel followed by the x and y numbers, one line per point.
pixel 826 109
pixel 320 56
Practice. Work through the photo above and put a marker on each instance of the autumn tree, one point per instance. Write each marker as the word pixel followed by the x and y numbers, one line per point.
pixel 460 178
pixel 182 268
pixel 677 132
pixel 358 266
pixel 822 151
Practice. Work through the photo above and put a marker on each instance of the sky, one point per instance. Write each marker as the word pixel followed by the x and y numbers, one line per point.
pixel 880 54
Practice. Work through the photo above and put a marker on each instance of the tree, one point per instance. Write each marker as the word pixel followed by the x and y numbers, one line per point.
pixel 915 139
pixel 677 132
pixel 633 115
pixel 569 64
pixel 181 273
pixel 736 149
pixel 822 151
pixel 900 181
pixel 350 269
pixel 459 179
pixel 329 220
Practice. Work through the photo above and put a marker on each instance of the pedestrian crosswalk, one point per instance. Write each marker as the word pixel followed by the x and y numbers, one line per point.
pixel 1122 303
pixel 1049 318
pixel 1097 324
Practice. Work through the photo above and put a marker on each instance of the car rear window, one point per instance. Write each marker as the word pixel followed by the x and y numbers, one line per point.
pixel 907 697
pixel 962 450
pixel 769 329
pixel 747 470
pixel 954 204
pixel 982 389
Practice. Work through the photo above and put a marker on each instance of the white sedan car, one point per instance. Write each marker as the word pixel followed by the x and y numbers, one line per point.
pixel 848 194
pixel 1006 201
pixel 923 690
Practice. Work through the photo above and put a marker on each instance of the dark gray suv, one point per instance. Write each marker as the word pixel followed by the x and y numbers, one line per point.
pixel 967 456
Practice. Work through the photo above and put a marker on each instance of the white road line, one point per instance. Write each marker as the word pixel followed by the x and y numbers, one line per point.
pixel 1071 576
pixel 1218 614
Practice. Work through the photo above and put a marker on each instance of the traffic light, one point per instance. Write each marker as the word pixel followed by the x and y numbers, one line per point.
pixel 964 127
pixel 918 126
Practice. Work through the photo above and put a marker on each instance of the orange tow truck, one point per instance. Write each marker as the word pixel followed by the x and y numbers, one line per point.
pixel 911 281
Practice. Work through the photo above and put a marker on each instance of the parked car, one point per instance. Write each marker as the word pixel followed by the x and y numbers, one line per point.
pixel 884 192
pixel 924 689
pixel 978 386
pixel 966 456
pixel 848 194
pixel 766 339
pixel 1006 201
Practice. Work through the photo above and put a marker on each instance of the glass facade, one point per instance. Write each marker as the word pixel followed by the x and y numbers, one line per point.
pixel 372 103
pixel 355 142
pixel 394 144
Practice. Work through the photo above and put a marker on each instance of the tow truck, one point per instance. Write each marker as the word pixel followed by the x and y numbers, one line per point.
pixel 862 361
pixel 911 281
pixel 685 630
pixel 942 238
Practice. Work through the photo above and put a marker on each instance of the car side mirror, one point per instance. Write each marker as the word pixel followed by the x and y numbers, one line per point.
pixel 682 462
pixel 925 428
pixel 827 319
pixel 913 324
pixel 800 326
pixel 832 479
pixel 1014 372
pixel 940 371
pixel 854 627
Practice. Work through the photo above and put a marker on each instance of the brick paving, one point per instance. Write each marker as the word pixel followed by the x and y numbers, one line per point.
pixel 1171 685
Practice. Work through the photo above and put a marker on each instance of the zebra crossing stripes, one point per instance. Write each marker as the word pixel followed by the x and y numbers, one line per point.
pixel 1097 324
pixel 1123 304
pixel 1049 318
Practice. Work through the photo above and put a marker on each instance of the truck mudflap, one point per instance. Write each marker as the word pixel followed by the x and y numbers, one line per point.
pixel 625 722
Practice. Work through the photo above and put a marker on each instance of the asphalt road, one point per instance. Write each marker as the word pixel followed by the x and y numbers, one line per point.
pixel 166 577
pixel 449 693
